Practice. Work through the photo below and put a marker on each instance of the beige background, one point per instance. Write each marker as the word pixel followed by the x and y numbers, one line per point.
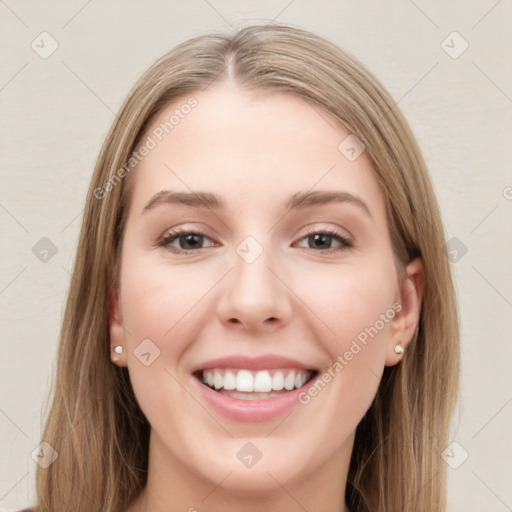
pixel 56 111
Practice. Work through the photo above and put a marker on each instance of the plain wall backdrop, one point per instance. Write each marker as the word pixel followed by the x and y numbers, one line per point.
pixel 67 67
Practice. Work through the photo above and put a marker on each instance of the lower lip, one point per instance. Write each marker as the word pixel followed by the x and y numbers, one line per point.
pixel 252 410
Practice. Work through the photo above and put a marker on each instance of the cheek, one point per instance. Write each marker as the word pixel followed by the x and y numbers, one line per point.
pixel 353 303
pixel 357 308
pixel 159 299
pixel 161 307
pixel 166 305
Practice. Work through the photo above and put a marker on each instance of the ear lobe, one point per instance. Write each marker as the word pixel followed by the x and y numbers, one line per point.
pixel 117 333
pixel 405 323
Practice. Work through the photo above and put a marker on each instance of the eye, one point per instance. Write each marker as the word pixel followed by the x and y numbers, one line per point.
pixel 187 241
pixel 322 241
pixel 184 241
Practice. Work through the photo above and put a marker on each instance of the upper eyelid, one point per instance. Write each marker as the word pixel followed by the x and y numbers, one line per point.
pixel 180 231
pixel 332 231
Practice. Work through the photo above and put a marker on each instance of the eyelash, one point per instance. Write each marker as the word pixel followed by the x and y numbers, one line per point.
pixel 171 236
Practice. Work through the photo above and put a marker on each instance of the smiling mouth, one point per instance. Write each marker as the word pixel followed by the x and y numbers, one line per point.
pixel 246 384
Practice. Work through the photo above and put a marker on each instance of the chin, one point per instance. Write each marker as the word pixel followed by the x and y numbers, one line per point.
pixel 258 466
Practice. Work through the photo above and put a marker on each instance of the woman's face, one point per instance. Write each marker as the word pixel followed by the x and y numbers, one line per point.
pixel 256 254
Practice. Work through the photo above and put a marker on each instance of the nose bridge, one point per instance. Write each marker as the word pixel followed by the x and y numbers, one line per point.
pixel 253 295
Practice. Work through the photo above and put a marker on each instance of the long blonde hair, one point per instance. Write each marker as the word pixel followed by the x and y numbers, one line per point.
pixel 95 423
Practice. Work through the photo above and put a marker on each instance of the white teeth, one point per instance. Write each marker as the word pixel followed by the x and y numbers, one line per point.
pixel 229 380
pixel 278 381
pixel 289 381
pixel 218 381
pixel 244 381
pixel 262 381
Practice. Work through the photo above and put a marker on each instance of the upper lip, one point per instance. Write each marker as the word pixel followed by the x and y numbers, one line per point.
pixel 264 362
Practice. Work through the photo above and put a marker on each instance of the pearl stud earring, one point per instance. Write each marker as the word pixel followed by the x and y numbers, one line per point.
pixel 118 349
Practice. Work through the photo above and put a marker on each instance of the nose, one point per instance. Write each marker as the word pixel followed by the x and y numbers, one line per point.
pixel 254 296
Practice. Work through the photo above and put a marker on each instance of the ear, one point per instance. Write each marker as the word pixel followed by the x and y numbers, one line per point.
pixel 405 322
pixel 117 331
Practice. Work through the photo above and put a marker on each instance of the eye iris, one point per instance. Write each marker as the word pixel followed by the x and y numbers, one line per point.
pixel 191 239
pixel 322 239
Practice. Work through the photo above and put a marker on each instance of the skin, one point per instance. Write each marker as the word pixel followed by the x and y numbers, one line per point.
pixel 255 151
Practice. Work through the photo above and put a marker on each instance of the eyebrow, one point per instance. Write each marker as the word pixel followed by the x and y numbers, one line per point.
pixel 302 200
pixel 297 201
pixel 193 199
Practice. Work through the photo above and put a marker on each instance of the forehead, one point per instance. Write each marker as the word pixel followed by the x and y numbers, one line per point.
pixel 251 148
